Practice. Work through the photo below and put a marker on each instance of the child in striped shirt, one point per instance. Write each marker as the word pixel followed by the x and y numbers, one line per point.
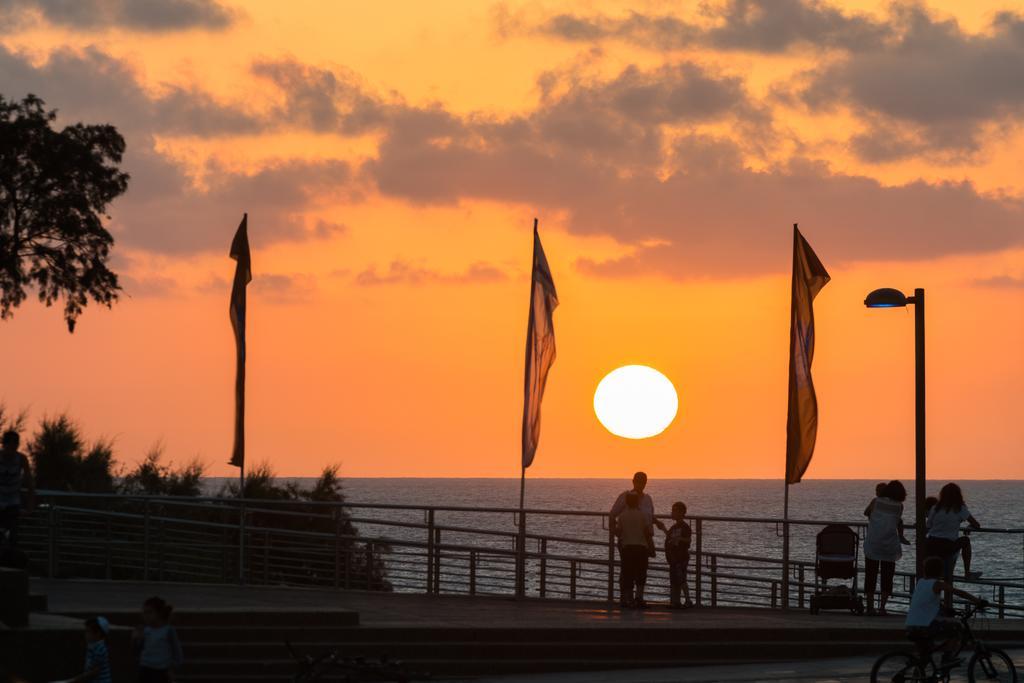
pixel 97 658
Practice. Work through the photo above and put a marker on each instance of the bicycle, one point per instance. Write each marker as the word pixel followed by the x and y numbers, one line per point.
pixel 352 669
pixel 986 663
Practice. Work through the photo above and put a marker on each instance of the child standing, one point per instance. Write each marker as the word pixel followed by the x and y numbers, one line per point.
pixel 677 552
pixel 97 658
pixel 157 643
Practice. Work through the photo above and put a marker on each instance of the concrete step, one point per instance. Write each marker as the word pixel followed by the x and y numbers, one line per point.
pixel 609 636
pixel 231 619
pixel 38 602
pixel 474 658
pixel 682 650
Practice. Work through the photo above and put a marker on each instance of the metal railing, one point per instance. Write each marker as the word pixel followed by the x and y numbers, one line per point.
pixel 553 554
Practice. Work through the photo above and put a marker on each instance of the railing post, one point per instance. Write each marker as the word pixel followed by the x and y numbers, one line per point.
pixel 241 543
pixel 266 557
pixel 714 581
pixel 611 562
pixel 698 563
pixel 145 539
pixel 472 572
pixel 1002 602
pixel 437 561
pixel 521 556
pixel 369 565
pixel 572 579
pixel 775 596
pixel 348 567
pixel 430 551
pixel 108 561
pixel 337 549
pixel 51 570
pixel 543 567
pixel 800 589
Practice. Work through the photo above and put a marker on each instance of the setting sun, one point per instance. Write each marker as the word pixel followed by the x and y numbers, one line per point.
pixel 635 402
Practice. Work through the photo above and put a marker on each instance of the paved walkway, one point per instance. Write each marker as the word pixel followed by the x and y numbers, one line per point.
pixel 394 609
pixel 849 670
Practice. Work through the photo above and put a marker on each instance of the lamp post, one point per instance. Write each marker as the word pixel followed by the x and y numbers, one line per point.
pixel 893 298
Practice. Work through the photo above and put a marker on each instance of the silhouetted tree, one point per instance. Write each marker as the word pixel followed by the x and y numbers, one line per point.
pixel 55 186
pixel 15 422
pixel 62 461
pixel 261 483
pixel 152 477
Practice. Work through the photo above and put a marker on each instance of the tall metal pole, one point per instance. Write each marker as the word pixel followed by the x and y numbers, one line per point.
pixel 920 481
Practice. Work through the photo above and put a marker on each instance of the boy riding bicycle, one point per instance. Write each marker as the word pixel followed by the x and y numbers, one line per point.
pixel 925 623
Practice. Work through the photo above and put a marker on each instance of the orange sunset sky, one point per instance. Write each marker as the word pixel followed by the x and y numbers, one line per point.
pixel 392 156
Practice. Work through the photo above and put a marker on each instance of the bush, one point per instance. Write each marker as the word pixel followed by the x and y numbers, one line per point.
pixel 153 478
pixel 61 460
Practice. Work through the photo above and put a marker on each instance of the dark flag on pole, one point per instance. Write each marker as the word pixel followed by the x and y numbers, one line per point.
pixel 809 276
pixel 243 276
pixel 540 346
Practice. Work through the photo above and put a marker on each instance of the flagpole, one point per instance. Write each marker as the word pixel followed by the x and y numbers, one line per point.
pixel 521 549
pixel 785 547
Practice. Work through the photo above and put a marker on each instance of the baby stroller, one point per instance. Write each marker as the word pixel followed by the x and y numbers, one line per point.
pixel 835 557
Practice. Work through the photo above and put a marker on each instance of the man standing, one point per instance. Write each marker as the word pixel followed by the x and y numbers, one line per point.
pixel 646 506
pixel 15 476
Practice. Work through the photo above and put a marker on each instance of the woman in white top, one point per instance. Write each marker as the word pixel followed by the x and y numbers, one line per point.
pixel 944 520
pixel 882 542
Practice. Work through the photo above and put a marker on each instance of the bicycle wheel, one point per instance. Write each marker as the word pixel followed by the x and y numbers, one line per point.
pixel 898 667
pixel 991 665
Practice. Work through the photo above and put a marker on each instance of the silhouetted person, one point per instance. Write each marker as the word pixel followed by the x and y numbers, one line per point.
pixel 677 554
pixel 635 535
pixel 646 506
pixel 882 543
pixel 965 552
pixel 157 643
pixel 97 657
pixel 924 623
pixel 17 487
pixel 944 539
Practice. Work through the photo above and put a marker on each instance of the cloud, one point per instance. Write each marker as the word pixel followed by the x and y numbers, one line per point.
pixel 91 85
pixel 147 286
pixel 1001 282
pixel 138 15
pixel 936 85
pixel 765 26
pixel 164 209
pixel 710 214
pixel 404 273
pixel 283 288
pixel 656 158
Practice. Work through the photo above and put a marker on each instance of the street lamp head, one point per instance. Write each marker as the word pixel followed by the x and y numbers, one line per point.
pixel 886 298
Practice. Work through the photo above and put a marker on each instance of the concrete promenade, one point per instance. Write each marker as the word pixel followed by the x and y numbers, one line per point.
pixel 235 633
pixel 398 609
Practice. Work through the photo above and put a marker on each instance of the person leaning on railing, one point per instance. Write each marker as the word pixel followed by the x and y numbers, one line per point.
pixel 944 520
